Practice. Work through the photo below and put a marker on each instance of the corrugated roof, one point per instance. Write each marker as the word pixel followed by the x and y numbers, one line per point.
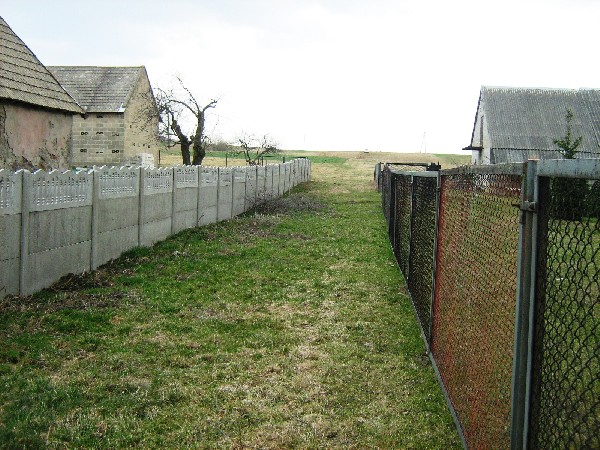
pixel 24 78
pixel 531 118
pixel 99 89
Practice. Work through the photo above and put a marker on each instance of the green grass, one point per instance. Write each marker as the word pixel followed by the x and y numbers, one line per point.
pixel 284 328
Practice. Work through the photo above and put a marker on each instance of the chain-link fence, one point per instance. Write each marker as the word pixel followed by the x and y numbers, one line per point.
pixel 419 272
pixel 503 271
pixel 473 324
pixel 401 237
pixel 566 386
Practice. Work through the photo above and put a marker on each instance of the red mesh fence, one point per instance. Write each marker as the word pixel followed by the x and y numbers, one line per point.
pixel 474 304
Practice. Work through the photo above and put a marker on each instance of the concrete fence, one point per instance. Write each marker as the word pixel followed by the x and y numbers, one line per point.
pixel 56 223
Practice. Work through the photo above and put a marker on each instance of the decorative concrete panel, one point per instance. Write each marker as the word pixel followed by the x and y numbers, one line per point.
pixel 10 192
pixel 115 182
pixel 58 190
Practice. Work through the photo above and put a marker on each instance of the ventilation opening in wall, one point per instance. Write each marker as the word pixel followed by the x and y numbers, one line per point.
pixel 99 116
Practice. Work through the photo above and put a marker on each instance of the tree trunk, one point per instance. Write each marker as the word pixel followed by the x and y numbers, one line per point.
pixel 199 151
pixel 185 152
pixel 199 154
pixel 183 141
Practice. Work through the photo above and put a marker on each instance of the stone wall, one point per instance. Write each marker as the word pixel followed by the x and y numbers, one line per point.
pixel 32 137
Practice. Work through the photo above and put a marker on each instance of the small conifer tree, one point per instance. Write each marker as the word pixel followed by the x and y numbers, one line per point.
pixel 567 145
pixel 569 194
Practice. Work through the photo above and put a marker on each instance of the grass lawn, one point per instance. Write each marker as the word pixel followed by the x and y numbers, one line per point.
pixel 284 328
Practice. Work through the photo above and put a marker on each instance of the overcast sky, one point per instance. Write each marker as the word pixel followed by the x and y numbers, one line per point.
pixel 388 75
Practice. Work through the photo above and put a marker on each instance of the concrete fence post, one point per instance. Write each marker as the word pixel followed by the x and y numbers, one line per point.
pixel 142 208
pixel 25 207
pixel 11 186
pixel 174 201
pixel 95 204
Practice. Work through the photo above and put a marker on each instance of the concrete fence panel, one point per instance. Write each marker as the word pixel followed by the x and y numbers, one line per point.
pixel 208 194
pixel 261 180
pixel 270 178
pixel 156 205
pixel 295 171
pixel 225 199
pixel 10 231
pixel 115 223
pixel 185 198
pixel 250 188
pixel 286 177
pixel 276 180
pixel 53 224
pixel 57 227
pixel 239 191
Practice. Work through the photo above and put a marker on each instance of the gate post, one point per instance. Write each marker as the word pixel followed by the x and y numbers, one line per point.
pixel 524 315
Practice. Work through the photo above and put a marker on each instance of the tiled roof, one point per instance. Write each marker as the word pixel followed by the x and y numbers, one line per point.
pixel 24 78
pixel 99 89
pixel 531 118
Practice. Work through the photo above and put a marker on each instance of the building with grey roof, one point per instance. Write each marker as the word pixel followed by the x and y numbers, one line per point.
pixel 36 113
pixel 516 124
pixel 121 120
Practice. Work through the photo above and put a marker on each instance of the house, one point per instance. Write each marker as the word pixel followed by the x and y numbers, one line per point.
pixel 516 124
pixel 121 120
pixel 36 113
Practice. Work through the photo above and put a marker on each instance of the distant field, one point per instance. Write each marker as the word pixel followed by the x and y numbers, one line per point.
pixel 367 160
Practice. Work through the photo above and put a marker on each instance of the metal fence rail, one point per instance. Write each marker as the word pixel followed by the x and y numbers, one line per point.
pixel 503 272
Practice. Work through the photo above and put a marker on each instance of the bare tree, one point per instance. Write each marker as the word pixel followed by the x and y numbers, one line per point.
pixel 176 110
pixel 253 148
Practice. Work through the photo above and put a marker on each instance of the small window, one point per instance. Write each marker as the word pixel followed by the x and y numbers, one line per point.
pixel 99 116
pixel 83 150
pixel 116 151
pixel 84 133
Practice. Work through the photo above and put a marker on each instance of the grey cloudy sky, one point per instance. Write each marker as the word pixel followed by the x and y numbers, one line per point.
pixel 329 74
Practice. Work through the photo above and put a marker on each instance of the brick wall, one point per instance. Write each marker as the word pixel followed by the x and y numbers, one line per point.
pixel 98 139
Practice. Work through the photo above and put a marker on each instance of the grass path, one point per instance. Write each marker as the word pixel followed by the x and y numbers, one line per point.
pixel 285 328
